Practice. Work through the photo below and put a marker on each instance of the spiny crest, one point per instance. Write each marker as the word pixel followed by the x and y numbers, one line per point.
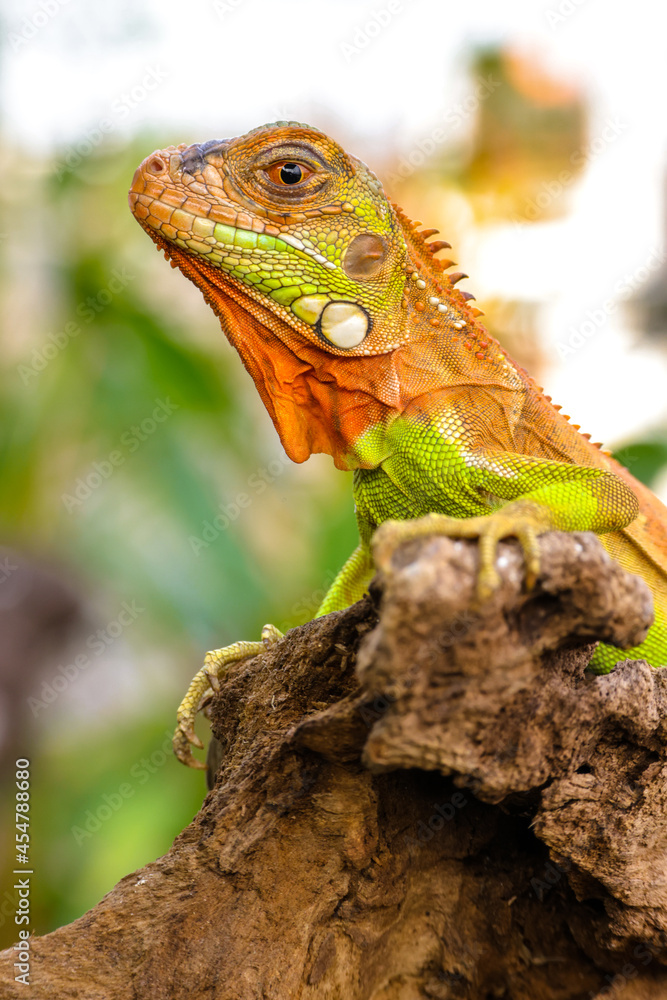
pixel 426 252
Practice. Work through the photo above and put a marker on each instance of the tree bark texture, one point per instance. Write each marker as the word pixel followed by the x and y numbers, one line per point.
pixel 419 797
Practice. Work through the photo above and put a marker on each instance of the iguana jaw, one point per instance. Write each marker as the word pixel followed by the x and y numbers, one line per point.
pixel 317 405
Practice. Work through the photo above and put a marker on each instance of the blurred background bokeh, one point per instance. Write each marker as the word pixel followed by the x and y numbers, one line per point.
pixel 530 133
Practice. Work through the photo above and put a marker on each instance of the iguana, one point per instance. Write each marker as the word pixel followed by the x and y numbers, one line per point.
pixel 361 346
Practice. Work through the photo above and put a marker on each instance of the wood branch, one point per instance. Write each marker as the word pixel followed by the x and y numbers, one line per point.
pixel 418 798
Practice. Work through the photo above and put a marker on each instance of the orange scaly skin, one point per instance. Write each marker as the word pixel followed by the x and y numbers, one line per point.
pixel 361 346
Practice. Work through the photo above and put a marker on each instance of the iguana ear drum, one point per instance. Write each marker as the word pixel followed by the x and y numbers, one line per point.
pixel 364 256
pixel 344 324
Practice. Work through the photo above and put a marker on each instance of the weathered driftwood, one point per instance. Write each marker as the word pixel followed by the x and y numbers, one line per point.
pixel 439 803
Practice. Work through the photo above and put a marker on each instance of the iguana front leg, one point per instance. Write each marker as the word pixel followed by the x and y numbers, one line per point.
pixel 351 582
pixel 203 684
pixel 348 587
pixel 543 496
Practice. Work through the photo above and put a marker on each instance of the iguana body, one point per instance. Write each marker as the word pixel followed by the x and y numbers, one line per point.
pixel 361 347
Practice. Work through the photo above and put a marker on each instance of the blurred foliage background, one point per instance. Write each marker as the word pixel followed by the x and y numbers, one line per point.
pixel 119 508
pixel 129 426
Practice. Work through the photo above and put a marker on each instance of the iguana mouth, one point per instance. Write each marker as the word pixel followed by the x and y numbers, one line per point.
pixel 214 283
pixel 216 241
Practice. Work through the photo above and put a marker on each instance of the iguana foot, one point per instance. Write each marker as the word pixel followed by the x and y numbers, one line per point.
pixel 204 683
pixel 525 521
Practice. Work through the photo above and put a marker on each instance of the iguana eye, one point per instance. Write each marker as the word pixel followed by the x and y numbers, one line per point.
pixel 288 172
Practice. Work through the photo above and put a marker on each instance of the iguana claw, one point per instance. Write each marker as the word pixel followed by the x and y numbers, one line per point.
pixel 519 520
pixel 203 686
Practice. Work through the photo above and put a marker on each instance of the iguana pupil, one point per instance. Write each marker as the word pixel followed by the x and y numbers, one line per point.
pixel 291 173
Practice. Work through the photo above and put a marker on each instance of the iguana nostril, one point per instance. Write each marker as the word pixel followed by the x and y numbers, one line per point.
pixel 156 166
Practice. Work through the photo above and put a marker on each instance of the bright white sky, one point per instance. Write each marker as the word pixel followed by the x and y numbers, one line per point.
pixel 223 66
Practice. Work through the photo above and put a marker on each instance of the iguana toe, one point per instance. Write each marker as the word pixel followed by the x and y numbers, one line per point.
pixel 203 685
pixel 525 524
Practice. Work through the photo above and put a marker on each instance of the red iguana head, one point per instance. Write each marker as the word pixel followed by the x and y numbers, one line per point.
pixel 314 275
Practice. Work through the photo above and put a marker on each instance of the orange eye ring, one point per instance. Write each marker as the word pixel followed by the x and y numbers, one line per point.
pixel 288 173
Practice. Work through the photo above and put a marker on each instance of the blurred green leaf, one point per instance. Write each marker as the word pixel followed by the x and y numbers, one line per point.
pixel 644 459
